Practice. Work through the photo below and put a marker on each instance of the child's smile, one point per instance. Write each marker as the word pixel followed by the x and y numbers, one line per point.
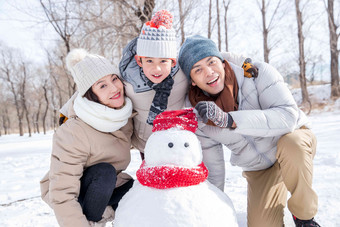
pixel 156 69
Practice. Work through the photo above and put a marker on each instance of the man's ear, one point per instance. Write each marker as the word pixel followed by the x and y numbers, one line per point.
pixel 139 60
pixel 193 83
pixel 173 64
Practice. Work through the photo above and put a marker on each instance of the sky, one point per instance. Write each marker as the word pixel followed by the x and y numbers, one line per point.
pixel 19 30
pixel 25 161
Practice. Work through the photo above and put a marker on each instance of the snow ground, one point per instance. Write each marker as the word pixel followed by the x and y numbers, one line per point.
pixel 24 161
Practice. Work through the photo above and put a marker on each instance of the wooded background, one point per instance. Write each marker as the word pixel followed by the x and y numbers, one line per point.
pixel 298 37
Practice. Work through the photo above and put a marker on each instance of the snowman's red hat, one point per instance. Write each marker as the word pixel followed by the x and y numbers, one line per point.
pixel 184 119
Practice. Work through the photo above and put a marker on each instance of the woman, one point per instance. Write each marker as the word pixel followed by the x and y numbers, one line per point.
pixel 92 148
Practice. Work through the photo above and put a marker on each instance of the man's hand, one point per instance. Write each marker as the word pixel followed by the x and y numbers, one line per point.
pixel 210 111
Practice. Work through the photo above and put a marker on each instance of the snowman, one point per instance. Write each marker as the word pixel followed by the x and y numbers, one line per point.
pixel 172 188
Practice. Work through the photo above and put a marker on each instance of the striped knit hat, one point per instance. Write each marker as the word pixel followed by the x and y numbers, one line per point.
pixel 87 68
pixel 157 38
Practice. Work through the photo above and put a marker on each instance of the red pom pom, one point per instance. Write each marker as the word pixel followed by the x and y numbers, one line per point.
pixel 162 18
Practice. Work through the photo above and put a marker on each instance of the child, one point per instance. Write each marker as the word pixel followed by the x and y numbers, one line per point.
pixel 85 181
pixel 153 80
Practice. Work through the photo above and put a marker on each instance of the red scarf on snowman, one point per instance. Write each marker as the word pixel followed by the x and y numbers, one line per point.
pixel 170 176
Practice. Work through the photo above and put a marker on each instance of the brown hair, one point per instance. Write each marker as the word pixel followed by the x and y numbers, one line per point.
pixel 90 95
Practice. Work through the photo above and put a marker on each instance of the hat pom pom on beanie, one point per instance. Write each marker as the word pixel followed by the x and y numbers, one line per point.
pixel 74 57
pixel 157 38
pixel 161 18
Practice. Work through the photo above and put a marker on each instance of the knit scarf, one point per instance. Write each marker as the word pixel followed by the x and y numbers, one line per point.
pixel 163 177
pixel 160 100
pixel 101 117
pixel 226 100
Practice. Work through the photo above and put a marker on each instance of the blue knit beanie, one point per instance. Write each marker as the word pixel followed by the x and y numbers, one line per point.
pixel 194 49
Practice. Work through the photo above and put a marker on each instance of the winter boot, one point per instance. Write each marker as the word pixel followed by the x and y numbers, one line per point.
pixel 305 223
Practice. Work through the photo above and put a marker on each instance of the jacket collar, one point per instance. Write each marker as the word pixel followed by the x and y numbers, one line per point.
pixel 240 78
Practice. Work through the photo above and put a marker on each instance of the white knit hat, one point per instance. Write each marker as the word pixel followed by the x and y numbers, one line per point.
pixel 87 68
pixel 157 38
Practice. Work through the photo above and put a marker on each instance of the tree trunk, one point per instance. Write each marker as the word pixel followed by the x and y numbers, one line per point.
pixel 209 20
pixel 55 79
pixel 36 123
pixel 28 121
pixel 181 18
pixel 226 24
pixel 333 42
pixel 265 33
pixel 17 104
pixel 302 61
pixel 54 114
pixel 23 99
pixel 4 123
pixel 55 119
pixel 7 122
pixel 44 87
pixel 218 24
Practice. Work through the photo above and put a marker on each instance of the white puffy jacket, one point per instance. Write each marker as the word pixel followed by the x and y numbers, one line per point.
pixel 267 110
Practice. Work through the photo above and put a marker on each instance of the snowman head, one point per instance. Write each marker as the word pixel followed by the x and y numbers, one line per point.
pixel 174 141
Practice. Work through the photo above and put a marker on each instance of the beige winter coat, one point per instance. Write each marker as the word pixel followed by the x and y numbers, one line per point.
pixel 142 101
pixel 76 146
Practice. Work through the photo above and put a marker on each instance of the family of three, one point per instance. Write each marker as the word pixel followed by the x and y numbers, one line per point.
pixel 254 116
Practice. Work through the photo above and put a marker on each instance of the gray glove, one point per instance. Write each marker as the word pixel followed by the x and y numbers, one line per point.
pixel 210 111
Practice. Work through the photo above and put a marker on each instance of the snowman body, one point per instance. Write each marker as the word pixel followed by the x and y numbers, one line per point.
pixel 198 205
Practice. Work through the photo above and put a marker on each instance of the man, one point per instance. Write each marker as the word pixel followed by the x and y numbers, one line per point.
pixel 259 121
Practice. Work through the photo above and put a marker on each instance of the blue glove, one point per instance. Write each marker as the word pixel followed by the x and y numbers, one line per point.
pixel 210 111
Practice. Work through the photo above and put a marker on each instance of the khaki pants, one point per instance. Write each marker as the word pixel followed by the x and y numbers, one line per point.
pixel 293 170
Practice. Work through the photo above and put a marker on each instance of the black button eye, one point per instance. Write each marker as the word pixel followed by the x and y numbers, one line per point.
pixel 186 144
pixel 170 145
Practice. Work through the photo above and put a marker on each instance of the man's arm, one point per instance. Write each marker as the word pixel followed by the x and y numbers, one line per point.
pixel 279 112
